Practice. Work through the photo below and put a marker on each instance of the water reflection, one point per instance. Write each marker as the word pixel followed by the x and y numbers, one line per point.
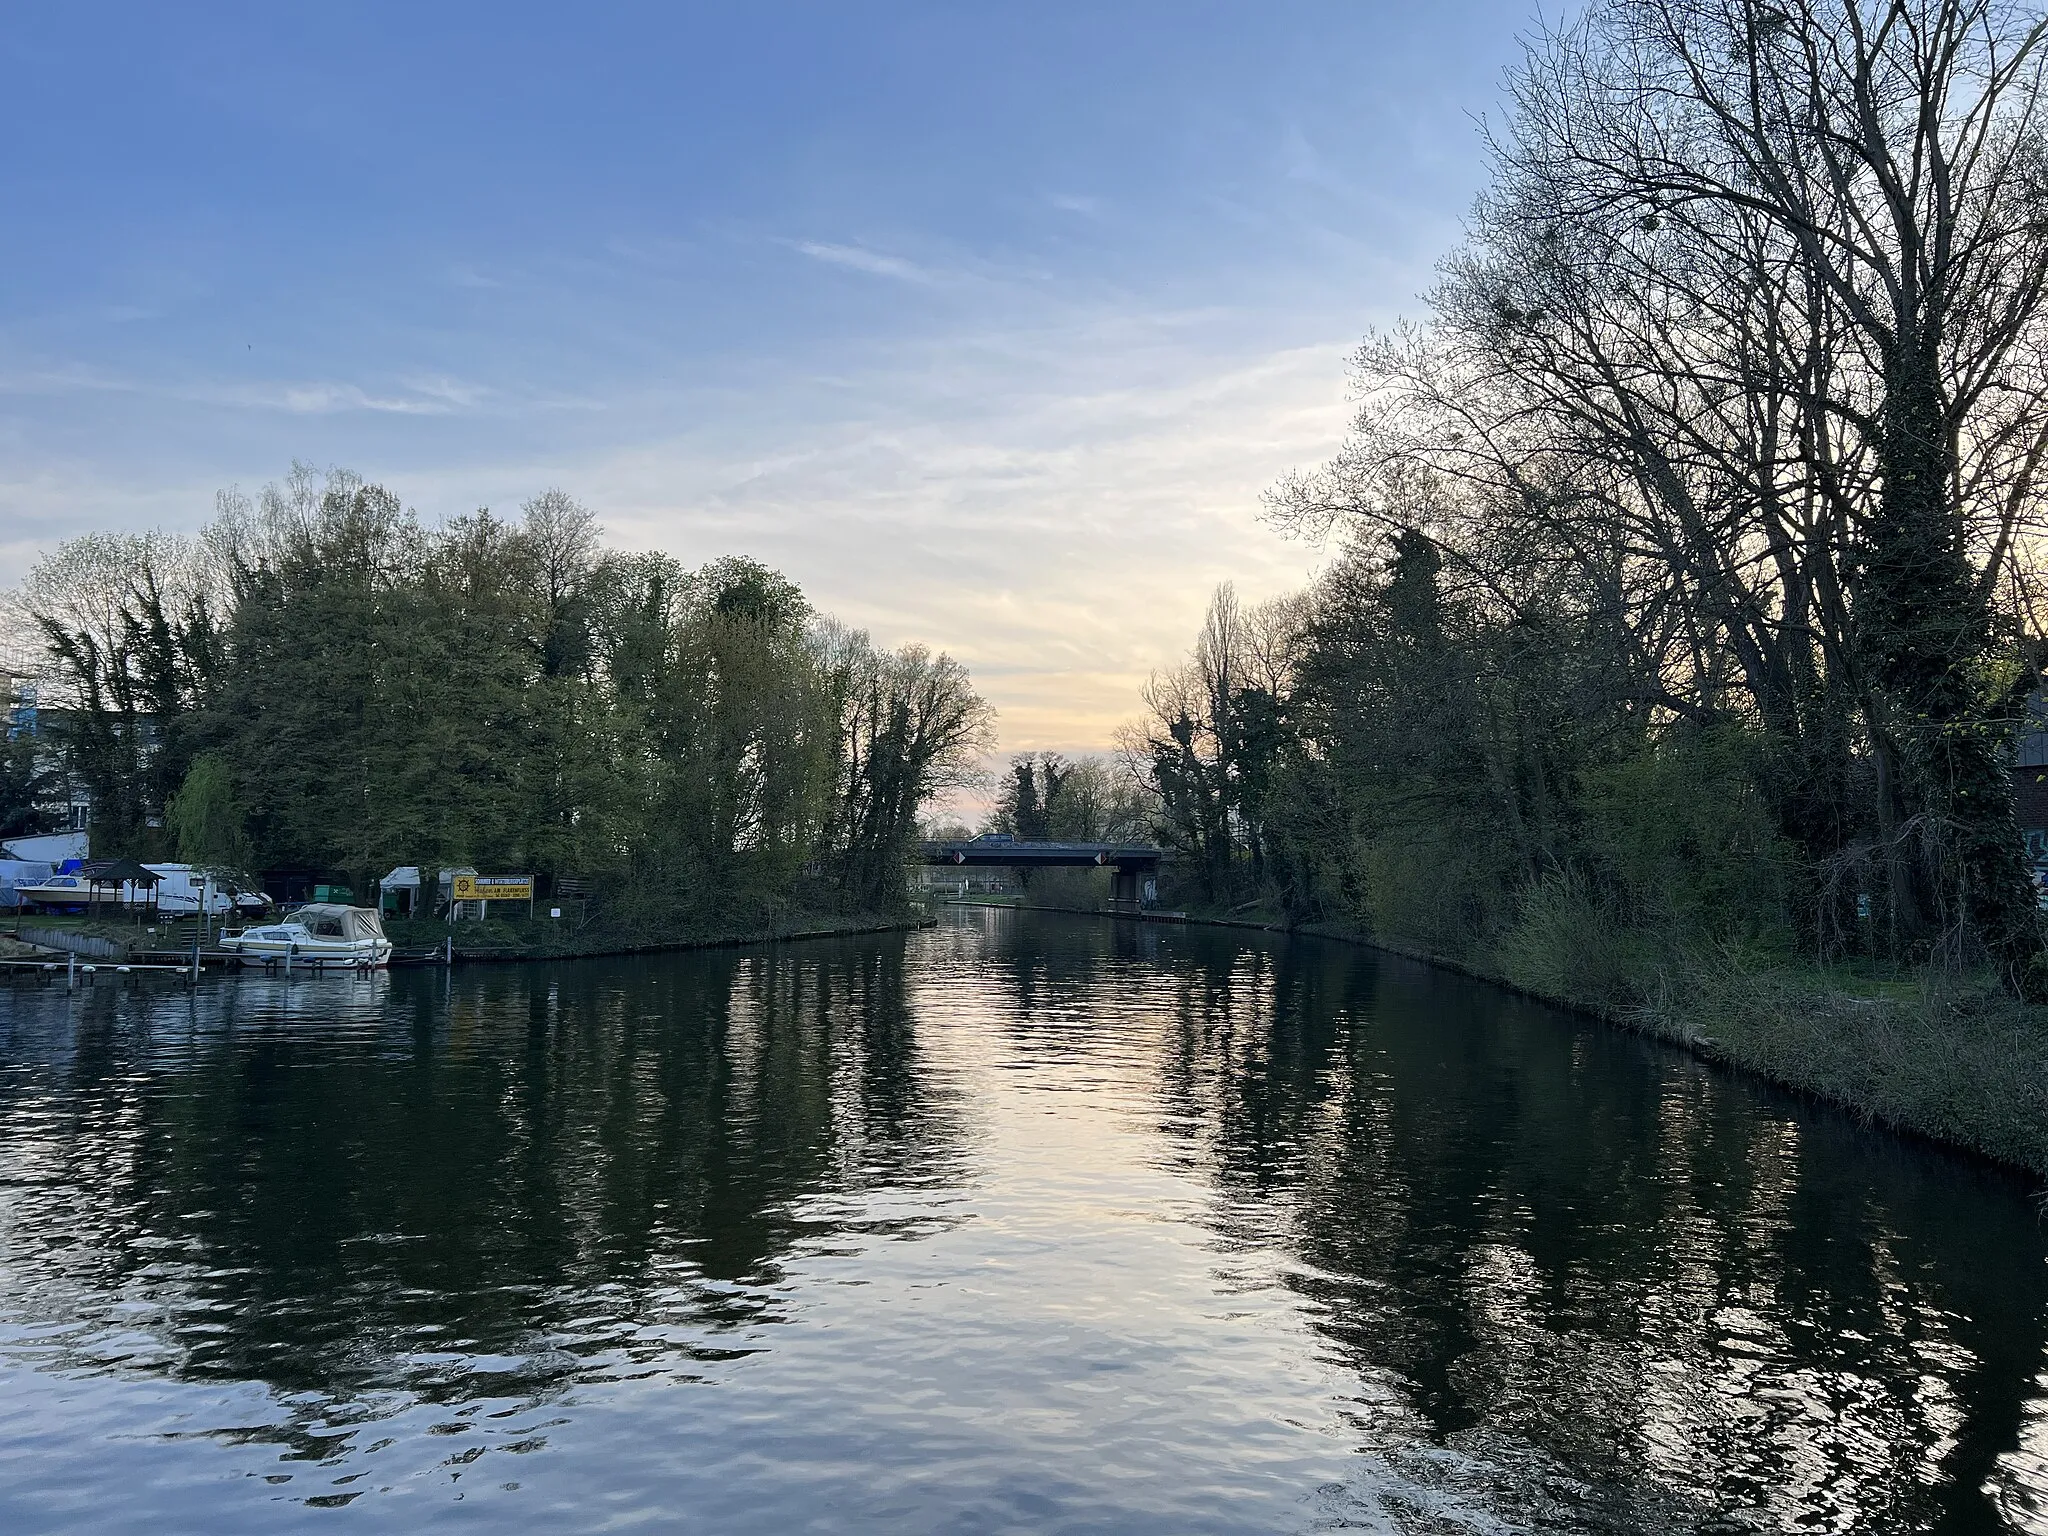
pixel 1672 1284
pixel 1018 1223
pixel 339 1184
pixel 1686 1297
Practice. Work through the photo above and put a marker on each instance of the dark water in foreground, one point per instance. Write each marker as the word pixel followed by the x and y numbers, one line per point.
pixel 1026 1224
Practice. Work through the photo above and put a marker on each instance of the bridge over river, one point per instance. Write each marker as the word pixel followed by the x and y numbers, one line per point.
pixel 1134 867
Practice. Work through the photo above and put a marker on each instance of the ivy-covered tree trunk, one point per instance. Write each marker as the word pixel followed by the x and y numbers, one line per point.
pixel 1923 628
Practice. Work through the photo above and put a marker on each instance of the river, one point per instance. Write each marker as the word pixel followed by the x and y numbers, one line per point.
pixel 1020 1224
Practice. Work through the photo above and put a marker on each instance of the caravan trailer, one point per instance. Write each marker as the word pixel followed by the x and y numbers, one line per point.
pixel 181 886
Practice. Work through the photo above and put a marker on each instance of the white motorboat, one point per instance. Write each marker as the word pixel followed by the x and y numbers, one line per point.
pixel 115 883
pixel 63 893
pixel 322 936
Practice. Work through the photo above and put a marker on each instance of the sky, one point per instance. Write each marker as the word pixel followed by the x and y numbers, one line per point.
pixel 986 324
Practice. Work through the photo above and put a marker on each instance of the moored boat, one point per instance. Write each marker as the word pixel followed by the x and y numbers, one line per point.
pixel 58 893
pixel 87 887
pixel 323 935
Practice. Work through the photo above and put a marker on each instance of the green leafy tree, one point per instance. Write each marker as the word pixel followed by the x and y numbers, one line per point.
pixel 24 785
pixel 322 682
pixel 206 818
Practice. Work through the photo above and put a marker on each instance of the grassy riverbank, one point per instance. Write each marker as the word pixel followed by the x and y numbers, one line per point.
pixel 1944 1054
pixel 1952 1057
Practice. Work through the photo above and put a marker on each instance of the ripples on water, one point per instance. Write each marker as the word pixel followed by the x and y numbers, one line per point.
pixel 1023 1224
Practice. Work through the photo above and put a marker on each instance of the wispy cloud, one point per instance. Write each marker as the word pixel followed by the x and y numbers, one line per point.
pixel 457 394
pixel 1050 494
pixel 62 379
pixel 1059 531
pixel 1053 504
pixel 317 398
pixel 1068 202
pixel 649 252
pixel 860 259
pixel 420 396
pixel 464 276
pixel 1300 161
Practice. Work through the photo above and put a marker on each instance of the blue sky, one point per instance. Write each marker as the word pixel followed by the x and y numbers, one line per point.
pixel 987 324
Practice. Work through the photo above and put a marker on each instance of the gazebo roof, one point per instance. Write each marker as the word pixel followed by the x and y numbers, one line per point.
pixel 119 872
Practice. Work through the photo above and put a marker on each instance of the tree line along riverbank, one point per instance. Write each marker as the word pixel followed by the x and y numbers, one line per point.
pixel 320 682
pixel 1682 635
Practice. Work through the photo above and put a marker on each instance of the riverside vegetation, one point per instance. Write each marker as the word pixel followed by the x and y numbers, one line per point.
pixel 1685 615
pixel 1688 603
pixel 318 681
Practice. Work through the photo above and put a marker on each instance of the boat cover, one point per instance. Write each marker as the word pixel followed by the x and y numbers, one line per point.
pixel 15 873
pixel 328 920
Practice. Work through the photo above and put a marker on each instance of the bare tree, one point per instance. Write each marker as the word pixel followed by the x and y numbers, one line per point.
pixel 913 731
pixel 1750 333
pixel 561 538
pixel 1212 735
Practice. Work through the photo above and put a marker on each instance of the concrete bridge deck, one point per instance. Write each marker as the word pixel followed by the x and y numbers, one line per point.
pixel 1019 853
pixel 1133 866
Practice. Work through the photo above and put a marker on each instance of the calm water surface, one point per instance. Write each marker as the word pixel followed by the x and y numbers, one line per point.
pixel 1022 1224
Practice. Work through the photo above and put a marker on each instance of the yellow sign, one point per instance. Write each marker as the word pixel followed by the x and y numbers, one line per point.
pixel 494 887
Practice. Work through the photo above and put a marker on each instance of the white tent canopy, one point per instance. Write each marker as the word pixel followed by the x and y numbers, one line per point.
pixel 399 891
